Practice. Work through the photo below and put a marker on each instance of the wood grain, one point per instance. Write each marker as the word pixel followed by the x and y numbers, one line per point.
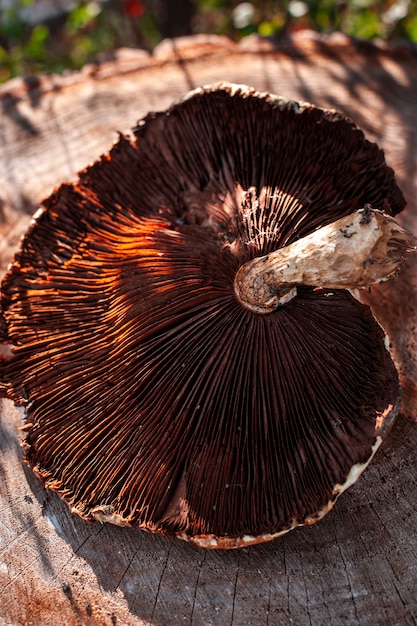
pixel 359 565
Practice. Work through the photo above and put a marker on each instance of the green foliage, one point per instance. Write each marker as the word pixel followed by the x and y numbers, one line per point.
pixel 93 27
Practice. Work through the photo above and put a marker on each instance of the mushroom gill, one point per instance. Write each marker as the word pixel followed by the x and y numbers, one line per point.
pixel 153 398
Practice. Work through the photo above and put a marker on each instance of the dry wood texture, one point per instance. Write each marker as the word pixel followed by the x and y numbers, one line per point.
pixel 359 565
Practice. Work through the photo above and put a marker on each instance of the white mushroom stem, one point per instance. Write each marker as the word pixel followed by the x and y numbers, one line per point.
pixel 356 251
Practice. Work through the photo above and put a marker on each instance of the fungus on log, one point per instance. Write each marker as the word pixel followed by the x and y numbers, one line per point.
pixel 155 395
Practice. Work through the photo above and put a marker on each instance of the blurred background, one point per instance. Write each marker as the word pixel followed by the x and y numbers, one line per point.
pixel 56 35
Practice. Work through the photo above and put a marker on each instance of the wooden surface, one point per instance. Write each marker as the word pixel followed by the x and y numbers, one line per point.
pixel 359 565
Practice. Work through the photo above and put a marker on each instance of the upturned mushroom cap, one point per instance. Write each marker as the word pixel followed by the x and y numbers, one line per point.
pixel 153 397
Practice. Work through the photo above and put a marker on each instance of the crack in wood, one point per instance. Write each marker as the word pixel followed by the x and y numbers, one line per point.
pixel 268 607
pixel 160 582
pixel 235 592
pixel 352 591
pixel 130 561
pixel 18 575
pixel 201 565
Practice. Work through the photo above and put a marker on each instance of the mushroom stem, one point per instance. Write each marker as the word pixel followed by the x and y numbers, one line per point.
pixel 356 251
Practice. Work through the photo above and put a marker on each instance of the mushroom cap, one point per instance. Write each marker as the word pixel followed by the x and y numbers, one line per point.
pixel 152 397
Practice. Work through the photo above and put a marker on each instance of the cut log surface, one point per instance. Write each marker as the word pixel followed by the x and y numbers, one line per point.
pixel 357 566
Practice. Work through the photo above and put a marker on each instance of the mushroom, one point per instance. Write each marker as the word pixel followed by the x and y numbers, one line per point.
pixel 188 361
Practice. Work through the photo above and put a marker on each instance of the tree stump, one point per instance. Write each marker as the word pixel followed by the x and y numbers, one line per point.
pixel 357 566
